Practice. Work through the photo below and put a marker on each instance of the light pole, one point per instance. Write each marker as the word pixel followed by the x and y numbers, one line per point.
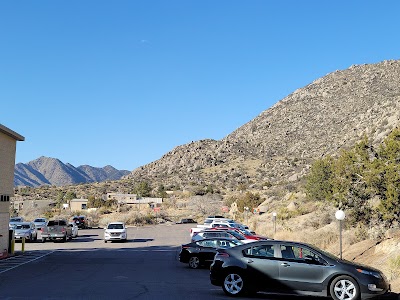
pixel 274 221
pixel 340 215
pixel 246 209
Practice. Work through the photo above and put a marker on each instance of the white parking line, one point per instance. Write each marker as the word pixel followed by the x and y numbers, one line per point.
pixel 26 262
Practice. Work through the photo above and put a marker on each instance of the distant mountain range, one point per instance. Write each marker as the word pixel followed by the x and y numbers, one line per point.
pixel 51 171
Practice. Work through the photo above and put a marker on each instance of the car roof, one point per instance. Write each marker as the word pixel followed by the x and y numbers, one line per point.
pixel 277 242
pixel 116 223
pixel 216 230
pixel 217 238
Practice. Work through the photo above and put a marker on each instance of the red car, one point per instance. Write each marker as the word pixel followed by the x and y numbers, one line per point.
pixel 246 233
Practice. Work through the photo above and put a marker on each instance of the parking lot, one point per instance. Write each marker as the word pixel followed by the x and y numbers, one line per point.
pixel 144 267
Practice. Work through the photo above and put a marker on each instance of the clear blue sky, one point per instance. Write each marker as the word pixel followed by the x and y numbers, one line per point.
pixel 123 82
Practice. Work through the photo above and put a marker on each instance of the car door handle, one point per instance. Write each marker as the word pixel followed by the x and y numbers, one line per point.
pixel 249 261
pixel 285 265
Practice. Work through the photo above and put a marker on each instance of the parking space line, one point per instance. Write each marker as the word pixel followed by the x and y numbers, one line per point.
pixel 15 262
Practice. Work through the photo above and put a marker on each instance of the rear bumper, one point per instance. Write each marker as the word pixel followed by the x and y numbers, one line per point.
pixel 53 236
pixel 216 276
pixel 18 238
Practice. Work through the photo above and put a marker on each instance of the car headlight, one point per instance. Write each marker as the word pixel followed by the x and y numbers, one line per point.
pixel 372 273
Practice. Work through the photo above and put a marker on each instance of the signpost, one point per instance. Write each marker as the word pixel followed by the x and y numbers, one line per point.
pixel 156 210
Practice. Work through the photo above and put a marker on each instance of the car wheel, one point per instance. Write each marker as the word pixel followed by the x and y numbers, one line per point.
pixel 65 238
pixel 344 288
pixel 105 241
pixel 194 262
pixel 234 284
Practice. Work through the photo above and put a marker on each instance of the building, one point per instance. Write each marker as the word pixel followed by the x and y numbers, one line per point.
pixel 78 204
pixel 8 146
pixel 133 199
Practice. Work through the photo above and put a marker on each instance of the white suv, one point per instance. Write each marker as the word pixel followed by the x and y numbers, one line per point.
pixel 115 231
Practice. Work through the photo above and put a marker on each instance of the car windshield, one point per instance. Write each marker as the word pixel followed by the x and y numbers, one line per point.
pixel 15 220
pixel 39 220
pixel 115 226
pixel 22 226
pixel 246 232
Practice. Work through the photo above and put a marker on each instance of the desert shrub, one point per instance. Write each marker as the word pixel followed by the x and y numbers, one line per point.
pixel 377 232
pixel 322 239
pixel 285 214
pixel 136 218
pixel 394 267
pixel 249 200
pixel 322 219
pixel 361 233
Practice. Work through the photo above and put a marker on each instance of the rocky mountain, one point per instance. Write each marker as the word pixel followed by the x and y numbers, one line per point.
pixel 51 171
pixel 278 146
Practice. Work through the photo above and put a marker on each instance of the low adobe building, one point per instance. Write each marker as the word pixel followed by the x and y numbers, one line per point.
pixel 8 145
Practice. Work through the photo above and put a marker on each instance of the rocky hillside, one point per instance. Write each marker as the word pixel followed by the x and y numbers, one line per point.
pixel 331 113
pixel 51 171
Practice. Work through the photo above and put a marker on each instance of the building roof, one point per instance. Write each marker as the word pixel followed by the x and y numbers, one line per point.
pixel 9 132
pixel 79 200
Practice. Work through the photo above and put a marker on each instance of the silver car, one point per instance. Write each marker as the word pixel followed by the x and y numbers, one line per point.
pixel 14 220
pixel 26 230
pixel 74 229
pixel 40 222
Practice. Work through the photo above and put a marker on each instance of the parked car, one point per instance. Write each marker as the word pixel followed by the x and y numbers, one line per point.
pixel 211 233
pixel 74 229
pixel 246 233
pixel 80 221
pixel 115 231
pixel 40 222
pixel 14 220
pixel 202 252
pixel 57 229
pixel 186 221
pixel 293 268
pixel 25 230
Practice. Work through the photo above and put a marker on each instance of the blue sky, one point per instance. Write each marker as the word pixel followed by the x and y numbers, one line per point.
pixel 123 82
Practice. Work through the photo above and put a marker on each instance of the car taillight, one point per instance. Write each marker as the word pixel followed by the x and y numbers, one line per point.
pixel 63 229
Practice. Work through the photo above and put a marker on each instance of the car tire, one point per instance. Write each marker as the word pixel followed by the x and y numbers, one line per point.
pixel 344 287
pixel 194 262
pixel 234 284
pixel 105 241
pixel 64 238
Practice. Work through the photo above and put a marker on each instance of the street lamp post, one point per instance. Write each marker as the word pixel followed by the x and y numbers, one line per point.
pixel 274 221
pixel 340 215
pixel 246 209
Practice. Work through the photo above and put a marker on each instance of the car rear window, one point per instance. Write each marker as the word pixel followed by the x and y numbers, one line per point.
pixel 57 222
